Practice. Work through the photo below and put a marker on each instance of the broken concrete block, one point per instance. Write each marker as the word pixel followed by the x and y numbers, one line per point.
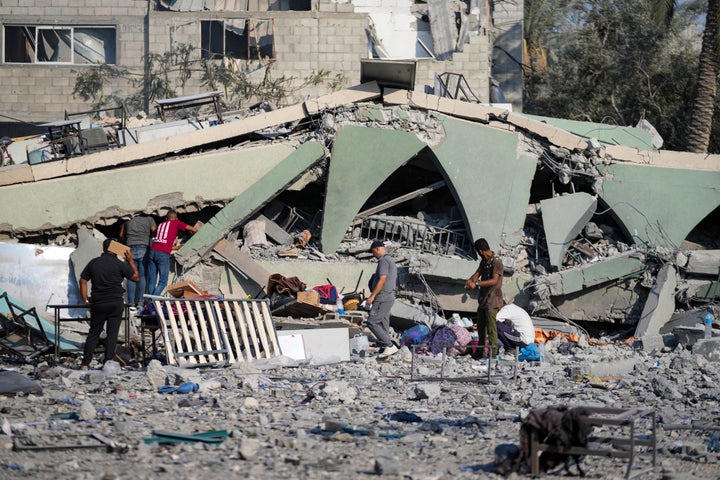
pixel 704 262
pixel 563 219
pixel 254 234
pixel 710 349
pixel 660 304
pixel 275 232
pixel 87 411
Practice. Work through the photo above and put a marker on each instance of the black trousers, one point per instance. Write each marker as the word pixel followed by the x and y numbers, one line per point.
pixel 100 314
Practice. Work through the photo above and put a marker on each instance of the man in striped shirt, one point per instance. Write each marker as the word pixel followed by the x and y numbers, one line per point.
pixel 160 250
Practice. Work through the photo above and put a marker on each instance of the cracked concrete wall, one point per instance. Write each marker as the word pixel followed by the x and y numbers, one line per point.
pixel 106 196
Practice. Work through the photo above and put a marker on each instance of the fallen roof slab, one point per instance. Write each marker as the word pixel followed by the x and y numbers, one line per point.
pixel 99 196
pixel 191 140
pixel 249 201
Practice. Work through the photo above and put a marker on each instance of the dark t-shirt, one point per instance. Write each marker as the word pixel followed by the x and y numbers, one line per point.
pixel 491 297
pixel 106 273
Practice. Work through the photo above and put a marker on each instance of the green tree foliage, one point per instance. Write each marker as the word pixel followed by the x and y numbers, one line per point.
pixel 615 64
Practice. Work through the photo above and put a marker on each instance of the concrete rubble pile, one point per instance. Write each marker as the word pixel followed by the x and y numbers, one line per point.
pixel 277 418
pixel 597 234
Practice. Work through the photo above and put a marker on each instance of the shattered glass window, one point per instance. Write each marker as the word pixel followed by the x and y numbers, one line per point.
pixel 243 39
pixel 45 44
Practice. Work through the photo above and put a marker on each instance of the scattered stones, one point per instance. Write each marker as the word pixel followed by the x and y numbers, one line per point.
pixel 360 417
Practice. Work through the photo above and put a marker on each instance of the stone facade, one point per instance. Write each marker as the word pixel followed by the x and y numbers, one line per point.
pixel 331 37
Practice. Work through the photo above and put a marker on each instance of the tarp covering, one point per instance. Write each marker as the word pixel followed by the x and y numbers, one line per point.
pixel 13 382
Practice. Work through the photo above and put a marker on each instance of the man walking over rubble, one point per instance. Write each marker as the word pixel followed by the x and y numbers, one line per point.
pixel 381 299
pixel 160 250
pixel 136 233
pixel 107 273
pixel 488 279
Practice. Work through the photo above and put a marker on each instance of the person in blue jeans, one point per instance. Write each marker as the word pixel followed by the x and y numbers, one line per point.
pixel 136 233
pixel 160 250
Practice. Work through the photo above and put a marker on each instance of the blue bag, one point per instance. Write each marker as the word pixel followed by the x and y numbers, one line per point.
pixel 529 354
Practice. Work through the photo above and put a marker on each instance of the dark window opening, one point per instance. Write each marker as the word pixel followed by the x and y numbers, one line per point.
pixel 242 39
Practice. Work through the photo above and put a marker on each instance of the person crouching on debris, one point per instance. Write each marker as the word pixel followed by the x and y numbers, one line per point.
pixel 160 250
pixel 514 327
pixel 381 299
pixel 107 273
pixel 488 279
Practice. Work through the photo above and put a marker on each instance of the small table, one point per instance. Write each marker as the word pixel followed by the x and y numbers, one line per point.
pixel 149 323
pixel 65 138
pixel 60 307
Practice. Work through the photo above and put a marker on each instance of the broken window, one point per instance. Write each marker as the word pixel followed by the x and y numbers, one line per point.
pixel 244 39
pixel 59 44
pixel 233 5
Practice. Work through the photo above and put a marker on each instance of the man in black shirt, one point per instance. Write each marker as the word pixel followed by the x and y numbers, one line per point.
pixel 106 273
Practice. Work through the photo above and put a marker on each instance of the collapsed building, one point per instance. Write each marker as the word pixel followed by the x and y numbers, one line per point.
pixel 592 223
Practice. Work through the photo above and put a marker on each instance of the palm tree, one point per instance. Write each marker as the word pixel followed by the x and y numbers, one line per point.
pixel 701 118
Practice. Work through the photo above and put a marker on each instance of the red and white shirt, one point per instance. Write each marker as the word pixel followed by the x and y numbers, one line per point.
pixel 166 234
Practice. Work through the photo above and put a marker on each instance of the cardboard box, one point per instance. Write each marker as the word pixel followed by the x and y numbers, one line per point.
pixel 118 248
pixel 185 289
pixel 312 298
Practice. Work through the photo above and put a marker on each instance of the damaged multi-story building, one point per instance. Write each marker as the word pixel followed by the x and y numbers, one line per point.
pixel 594 223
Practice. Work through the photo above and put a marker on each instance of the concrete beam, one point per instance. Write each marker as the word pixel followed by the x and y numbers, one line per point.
pixel 563 218
pixel 607 134
pixel 660 304
pixel 362 158
pixel 475 161
pixel 576 279
pixel 249 201
pixel 659 206
pixel 457 108
pixel 96 197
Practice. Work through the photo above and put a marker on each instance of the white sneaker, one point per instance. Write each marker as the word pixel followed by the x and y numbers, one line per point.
pixel 387 351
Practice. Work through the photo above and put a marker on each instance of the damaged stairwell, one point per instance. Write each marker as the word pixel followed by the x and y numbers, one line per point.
pixel 586 227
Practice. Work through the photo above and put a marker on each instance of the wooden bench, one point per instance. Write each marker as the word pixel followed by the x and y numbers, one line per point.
pixel 622 446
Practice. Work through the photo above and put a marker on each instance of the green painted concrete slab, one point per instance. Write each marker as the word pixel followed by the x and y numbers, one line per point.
pixel 576 279
pixel 659 206
pixel 563 218
pixel 362 159
pixel 489 179
pixel 609 134
pixel 255 194
pixel 64 201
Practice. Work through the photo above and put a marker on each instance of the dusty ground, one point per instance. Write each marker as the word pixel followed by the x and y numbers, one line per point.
pixel 285 421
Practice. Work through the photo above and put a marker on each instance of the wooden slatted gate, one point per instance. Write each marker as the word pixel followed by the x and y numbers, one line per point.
pixel 206 331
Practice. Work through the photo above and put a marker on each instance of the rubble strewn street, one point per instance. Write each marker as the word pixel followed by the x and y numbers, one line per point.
pixel 360 418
